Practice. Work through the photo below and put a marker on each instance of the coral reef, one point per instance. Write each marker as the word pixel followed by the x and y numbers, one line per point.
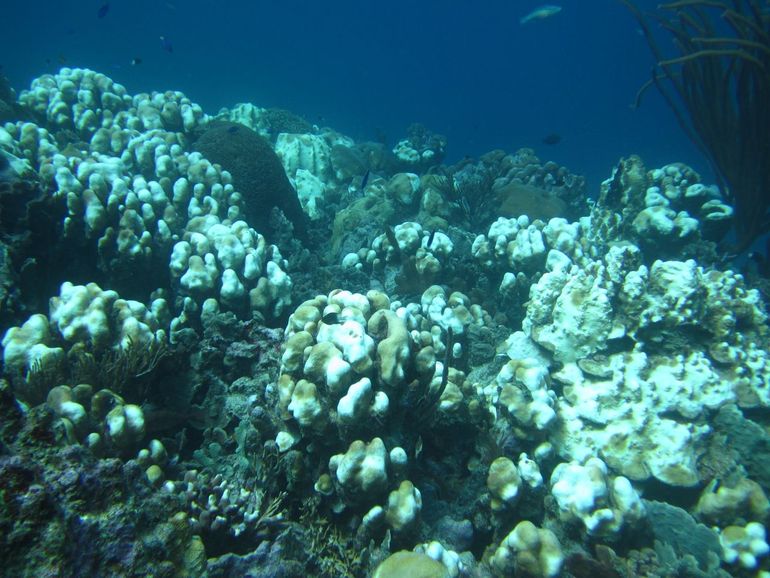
pixel 468 370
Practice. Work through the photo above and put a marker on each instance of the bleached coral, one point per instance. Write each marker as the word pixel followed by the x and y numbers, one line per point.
pixel 29 346
pixel 306 152
pixel 633 400
pixel 503 483
pixel 232 263
pixel 85 101
pixel 744 544
pixel 520 393
pixel 357 363
pixel 589 494
pixel 139 196
pixel 530 551
pixel 81 318
pixel 361 471
pixel 662 210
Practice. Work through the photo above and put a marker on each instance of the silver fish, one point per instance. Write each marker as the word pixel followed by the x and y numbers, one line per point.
pixel 541 12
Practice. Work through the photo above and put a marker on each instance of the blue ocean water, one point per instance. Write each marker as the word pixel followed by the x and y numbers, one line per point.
pixel 370 69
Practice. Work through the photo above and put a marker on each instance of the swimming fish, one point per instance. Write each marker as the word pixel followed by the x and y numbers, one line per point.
pixel 552 139
pixel 541 12
pixel 136 61
pixel 390 234
pixel 364 180
pixel 166 45
pixel 61 59
pixel 103 10
pixel 331 318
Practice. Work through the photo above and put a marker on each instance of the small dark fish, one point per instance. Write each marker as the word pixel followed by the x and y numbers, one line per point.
pixel 103 10
pixel 232 129
pixel 380 136
pixel 552 139
pixel 450 342
pixel 136 61
pixel 332 318
pixel 365 180
pixel 391 236
pixel 430 238
pixel 166 45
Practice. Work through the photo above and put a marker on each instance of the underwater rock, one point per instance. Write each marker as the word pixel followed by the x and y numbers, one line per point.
pixel 66 513
pixel 257 173
pixel 281 559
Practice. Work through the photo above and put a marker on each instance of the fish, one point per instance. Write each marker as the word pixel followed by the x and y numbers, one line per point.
pixel 332 318
pixel 232 129
pixel 552 139
pixel 103 10
pixel 390 234
pixel 136 61
pixel 364 180
pixel 540 13
pixel 430 239
pixel 166 45
pixel 450 342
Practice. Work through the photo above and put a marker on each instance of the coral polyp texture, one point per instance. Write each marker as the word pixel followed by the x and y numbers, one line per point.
pixel 244 344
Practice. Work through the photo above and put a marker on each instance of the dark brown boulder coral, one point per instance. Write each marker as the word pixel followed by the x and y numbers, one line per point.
pixel 257 174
